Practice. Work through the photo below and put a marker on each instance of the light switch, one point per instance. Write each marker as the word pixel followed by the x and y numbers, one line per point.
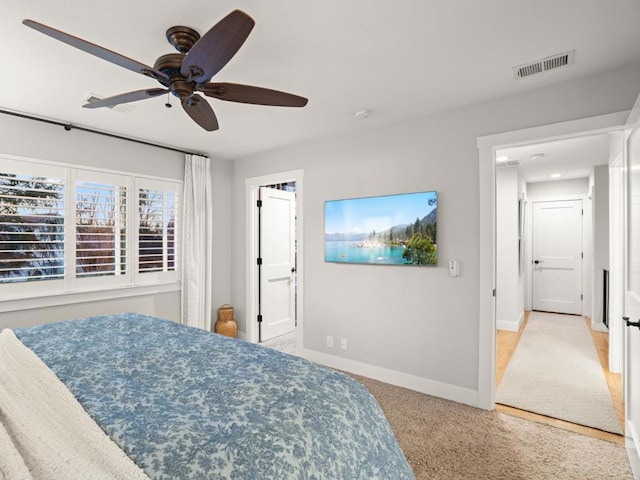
pixel 454 268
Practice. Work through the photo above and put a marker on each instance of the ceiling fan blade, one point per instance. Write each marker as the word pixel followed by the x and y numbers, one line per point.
pixel 235 92
pixel 216 47
pixel 200 112
pixel 126 98
pixel 98 51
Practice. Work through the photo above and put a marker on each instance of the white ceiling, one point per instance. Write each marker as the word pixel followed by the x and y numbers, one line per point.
pixel 400 60
pixel 571 158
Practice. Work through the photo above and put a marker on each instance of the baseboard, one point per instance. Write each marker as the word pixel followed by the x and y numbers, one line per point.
pixel 599 327
pixel 632 444
pixel 510 326
pixel 400 379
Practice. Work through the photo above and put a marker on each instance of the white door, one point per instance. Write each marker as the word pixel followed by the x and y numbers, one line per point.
pixel 632 298
pixel 557 256
pixel 277 269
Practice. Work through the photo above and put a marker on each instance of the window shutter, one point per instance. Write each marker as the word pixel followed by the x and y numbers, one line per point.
pixel 101 229
pixel 157 227
pixel 32 222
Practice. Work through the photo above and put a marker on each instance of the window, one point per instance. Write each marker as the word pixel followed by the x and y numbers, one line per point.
pixel 65 229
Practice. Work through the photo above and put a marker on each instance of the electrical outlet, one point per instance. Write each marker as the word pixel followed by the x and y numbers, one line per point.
pixel 343 343
pixel 329 341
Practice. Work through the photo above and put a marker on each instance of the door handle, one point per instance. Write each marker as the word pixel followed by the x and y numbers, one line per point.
pixel 631 324
pixel 538 261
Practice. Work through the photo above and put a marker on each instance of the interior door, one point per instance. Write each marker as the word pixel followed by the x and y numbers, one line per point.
pixel 557 256
pixel 631 372
pixel 277 269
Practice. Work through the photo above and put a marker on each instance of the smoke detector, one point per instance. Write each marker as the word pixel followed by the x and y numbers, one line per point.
pixel 563 59
pixel 362 114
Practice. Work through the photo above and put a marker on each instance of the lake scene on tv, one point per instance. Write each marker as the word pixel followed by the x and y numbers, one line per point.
pixel 384 230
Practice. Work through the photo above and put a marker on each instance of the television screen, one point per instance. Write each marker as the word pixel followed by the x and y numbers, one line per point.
pixel 384 230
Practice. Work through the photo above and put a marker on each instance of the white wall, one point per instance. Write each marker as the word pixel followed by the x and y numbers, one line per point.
pixel 600 196
pixel 509 287
pixel 600 199
pixel 414 326
pixel 558 189
pixel 222 241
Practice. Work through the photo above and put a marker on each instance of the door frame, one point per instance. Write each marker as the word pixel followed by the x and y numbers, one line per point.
pixel 487 146
pixel 251 287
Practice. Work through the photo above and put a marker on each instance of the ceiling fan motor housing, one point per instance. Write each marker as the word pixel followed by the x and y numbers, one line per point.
pixel 182 38
pixel 170 65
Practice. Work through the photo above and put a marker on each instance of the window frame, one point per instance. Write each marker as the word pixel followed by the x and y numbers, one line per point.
pixel 72 289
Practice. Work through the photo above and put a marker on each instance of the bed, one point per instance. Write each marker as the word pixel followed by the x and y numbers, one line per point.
pixel 132 396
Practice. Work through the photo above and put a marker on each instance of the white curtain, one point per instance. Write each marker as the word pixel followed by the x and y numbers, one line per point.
pixel 197 243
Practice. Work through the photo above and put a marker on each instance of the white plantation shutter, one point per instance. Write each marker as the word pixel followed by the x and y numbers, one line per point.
pixel 101 214
pixel 31 228
pixel 157 214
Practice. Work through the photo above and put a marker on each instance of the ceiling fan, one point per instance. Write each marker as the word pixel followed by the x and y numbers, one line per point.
pixel 189 71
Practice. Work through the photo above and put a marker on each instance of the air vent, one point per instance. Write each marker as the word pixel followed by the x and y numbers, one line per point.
pixel 123 107
pixel 549 63
pixel 507 163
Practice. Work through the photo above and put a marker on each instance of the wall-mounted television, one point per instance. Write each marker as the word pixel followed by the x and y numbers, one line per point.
pixel 383 230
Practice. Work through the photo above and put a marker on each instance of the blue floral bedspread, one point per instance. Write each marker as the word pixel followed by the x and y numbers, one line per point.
pixel 188 404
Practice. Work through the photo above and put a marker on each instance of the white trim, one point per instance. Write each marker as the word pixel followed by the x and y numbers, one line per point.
pixel 487 147
pixel 70 298
pixel 393 377
pixel 251 196
pixel 633 448
pixel 616 262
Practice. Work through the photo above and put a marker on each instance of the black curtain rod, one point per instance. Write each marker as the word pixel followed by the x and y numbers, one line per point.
pixel 69 126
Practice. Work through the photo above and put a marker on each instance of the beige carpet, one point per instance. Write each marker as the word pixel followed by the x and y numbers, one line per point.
pixel 444 440
pixel 555 371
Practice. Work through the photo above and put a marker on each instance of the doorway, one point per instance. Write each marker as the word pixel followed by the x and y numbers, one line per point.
pixel 555 179
pixel 488 146
pixel 274 281
pixel 276 262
